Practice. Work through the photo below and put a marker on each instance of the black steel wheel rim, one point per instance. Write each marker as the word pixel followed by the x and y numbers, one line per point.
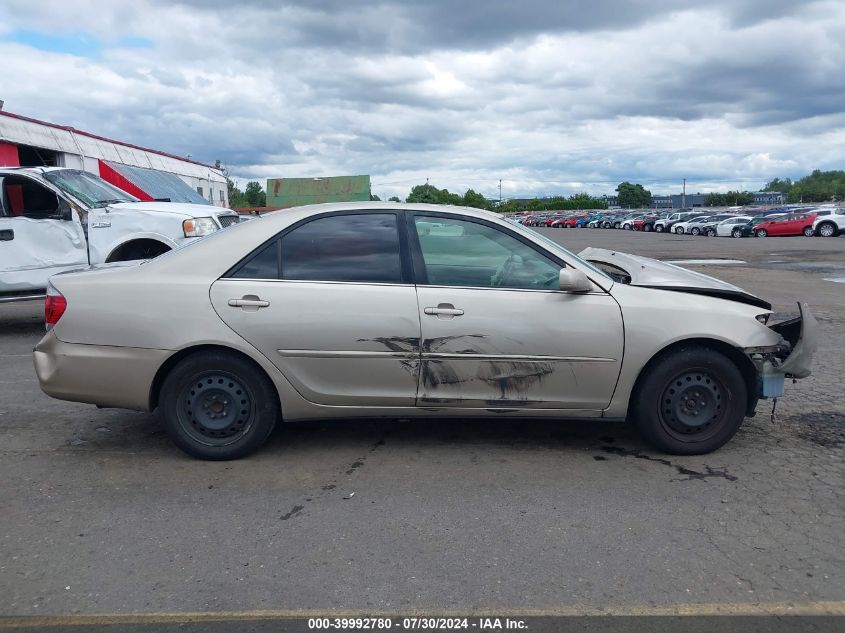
pixel 216 409
pixel 692 406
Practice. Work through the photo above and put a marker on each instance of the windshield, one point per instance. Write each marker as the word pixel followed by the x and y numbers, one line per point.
pixel 556 246
pixel 87 188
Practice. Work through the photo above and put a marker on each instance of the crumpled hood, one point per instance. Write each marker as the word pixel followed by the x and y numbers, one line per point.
pixel 652 273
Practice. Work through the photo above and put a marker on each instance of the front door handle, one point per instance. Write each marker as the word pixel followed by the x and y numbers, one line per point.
pixel 444 311
pixel 7 235
pixel 249 303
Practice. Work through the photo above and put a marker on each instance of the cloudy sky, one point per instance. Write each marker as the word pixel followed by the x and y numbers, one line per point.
pixel 549 96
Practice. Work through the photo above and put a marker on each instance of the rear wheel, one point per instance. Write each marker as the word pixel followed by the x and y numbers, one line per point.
pixel 736 233
pixel 710 232
pixel 690 402
pixel 658 228
pixel 647 228
pixel 218 406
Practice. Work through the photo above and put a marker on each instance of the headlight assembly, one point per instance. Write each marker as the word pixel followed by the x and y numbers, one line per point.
pixel 197 227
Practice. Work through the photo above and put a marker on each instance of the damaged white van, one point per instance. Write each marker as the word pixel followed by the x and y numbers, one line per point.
pixel 56 219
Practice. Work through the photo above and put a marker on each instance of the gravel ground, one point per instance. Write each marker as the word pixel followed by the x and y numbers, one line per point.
pixel 100 514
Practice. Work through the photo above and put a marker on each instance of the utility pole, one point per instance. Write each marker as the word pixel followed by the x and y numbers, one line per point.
pixel 684 195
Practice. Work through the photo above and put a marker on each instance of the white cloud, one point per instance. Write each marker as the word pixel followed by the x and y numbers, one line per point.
pixel 721 92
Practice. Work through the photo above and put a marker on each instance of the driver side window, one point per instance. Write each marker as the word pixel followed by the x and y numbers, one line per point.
pixel 24 198
pixel 461 253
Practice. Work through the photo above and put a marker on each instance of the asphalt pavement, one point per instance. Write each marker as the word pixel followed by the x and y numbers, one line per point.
pixel 100 514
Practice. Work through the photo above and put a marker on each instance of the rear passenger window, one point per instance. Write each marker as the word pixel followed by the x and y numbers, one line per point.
pixel 362 248
pixel 263 265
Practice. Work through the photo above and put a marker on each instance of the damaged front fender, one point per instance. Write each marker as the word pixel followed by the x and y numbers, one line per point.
pixel 792 358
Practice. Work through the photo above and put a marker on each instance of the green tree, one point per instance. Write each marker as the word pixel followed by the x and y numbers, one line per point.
pixel 783 186
pixel 633 196
pixel 374 198
pixel 474 199
pixel 394 199
pixel 254 194
pixel 729 199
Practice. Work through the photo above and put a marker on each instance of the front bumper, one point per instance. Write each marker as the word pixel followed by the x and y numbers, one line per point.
pixel 107 376
pixel 793 358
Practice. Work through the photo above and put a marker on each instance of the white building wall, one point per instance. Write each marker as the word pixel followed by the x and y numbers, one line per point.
pixel 80 151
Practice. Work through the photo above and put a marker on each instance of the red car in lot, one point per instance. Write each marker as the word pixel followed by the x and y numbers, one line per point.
pixel 791 224
pixel 569 223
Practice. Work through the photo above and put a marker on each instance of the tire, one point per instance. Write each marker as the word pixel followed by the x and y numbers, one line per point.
pixel 661 405
pixel 808 231
pixel 828 229
pixel 627 227
pixel 616 225
pixel 710 232
pixel 659 228
pixel 736 233
pixel 606 225
pixel 203 382
pixel 679 230
pixel 761 233
pixel 695 231
pixel 647 228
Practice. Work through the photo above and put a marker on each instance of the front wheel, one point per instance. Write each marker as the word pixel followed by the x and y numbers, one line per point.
pixel 218 406
pixel 827 229
pixel 761 233
pixel 695 231
pixel 710 232
pixel 808 231
pixel 679 230
pixel 689 402
pixel 658 228
pixel 736 233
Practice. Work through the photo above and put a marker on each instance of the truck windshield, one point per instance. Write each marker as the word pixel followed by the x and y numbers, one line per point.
pixel 87 188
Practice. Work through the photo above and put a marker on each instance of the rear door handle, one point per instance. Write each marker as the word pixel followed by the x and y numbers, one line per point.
pixel 444 310
pixel 7 235
pixel 250 303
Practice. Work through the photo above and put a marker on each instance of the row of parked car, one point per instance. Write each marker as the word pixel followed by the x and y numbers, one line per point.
pixel 826 221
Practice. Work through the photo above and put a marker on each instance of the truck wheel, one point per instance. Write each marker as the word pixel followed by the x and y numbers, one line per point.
pixel 218 406
pixel 690 402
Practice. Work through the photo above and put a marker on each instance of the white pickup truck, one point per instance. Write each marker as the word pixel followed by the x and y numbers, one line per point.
pixel 54 219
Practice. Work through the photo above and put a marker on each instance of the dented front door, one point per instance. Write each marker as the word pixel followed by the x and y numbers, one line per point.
pixel 497 332
pixel 495 348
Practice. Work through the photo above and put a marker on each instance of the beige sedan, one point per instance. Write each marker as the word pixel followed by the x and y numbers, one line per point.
pixel 376 309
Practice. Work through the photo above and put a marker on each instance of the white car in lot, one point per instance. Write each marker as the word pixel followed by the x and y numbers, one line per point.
pixel 830 225
pixel 725 227
pixel 687 225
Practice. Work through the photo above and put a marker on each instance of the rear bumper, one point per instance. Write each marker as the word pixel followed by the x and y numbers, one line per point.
pixel 97 374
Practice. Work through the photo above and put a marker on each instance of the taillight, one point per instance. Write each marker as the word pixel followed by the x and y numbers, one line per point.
pixel 54 307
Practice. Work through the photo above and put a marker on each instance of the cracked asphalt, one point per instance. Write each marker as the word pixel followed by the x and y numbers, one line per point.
pixel 99 513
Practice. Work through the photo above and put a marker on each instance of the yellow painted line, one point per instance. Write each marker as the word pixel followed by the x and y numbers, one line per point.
pixel 834 607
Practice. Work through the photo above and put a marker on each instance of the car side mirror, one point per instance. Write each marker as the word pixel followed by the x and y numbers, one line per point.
pixel 573 280
pixel 65 210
